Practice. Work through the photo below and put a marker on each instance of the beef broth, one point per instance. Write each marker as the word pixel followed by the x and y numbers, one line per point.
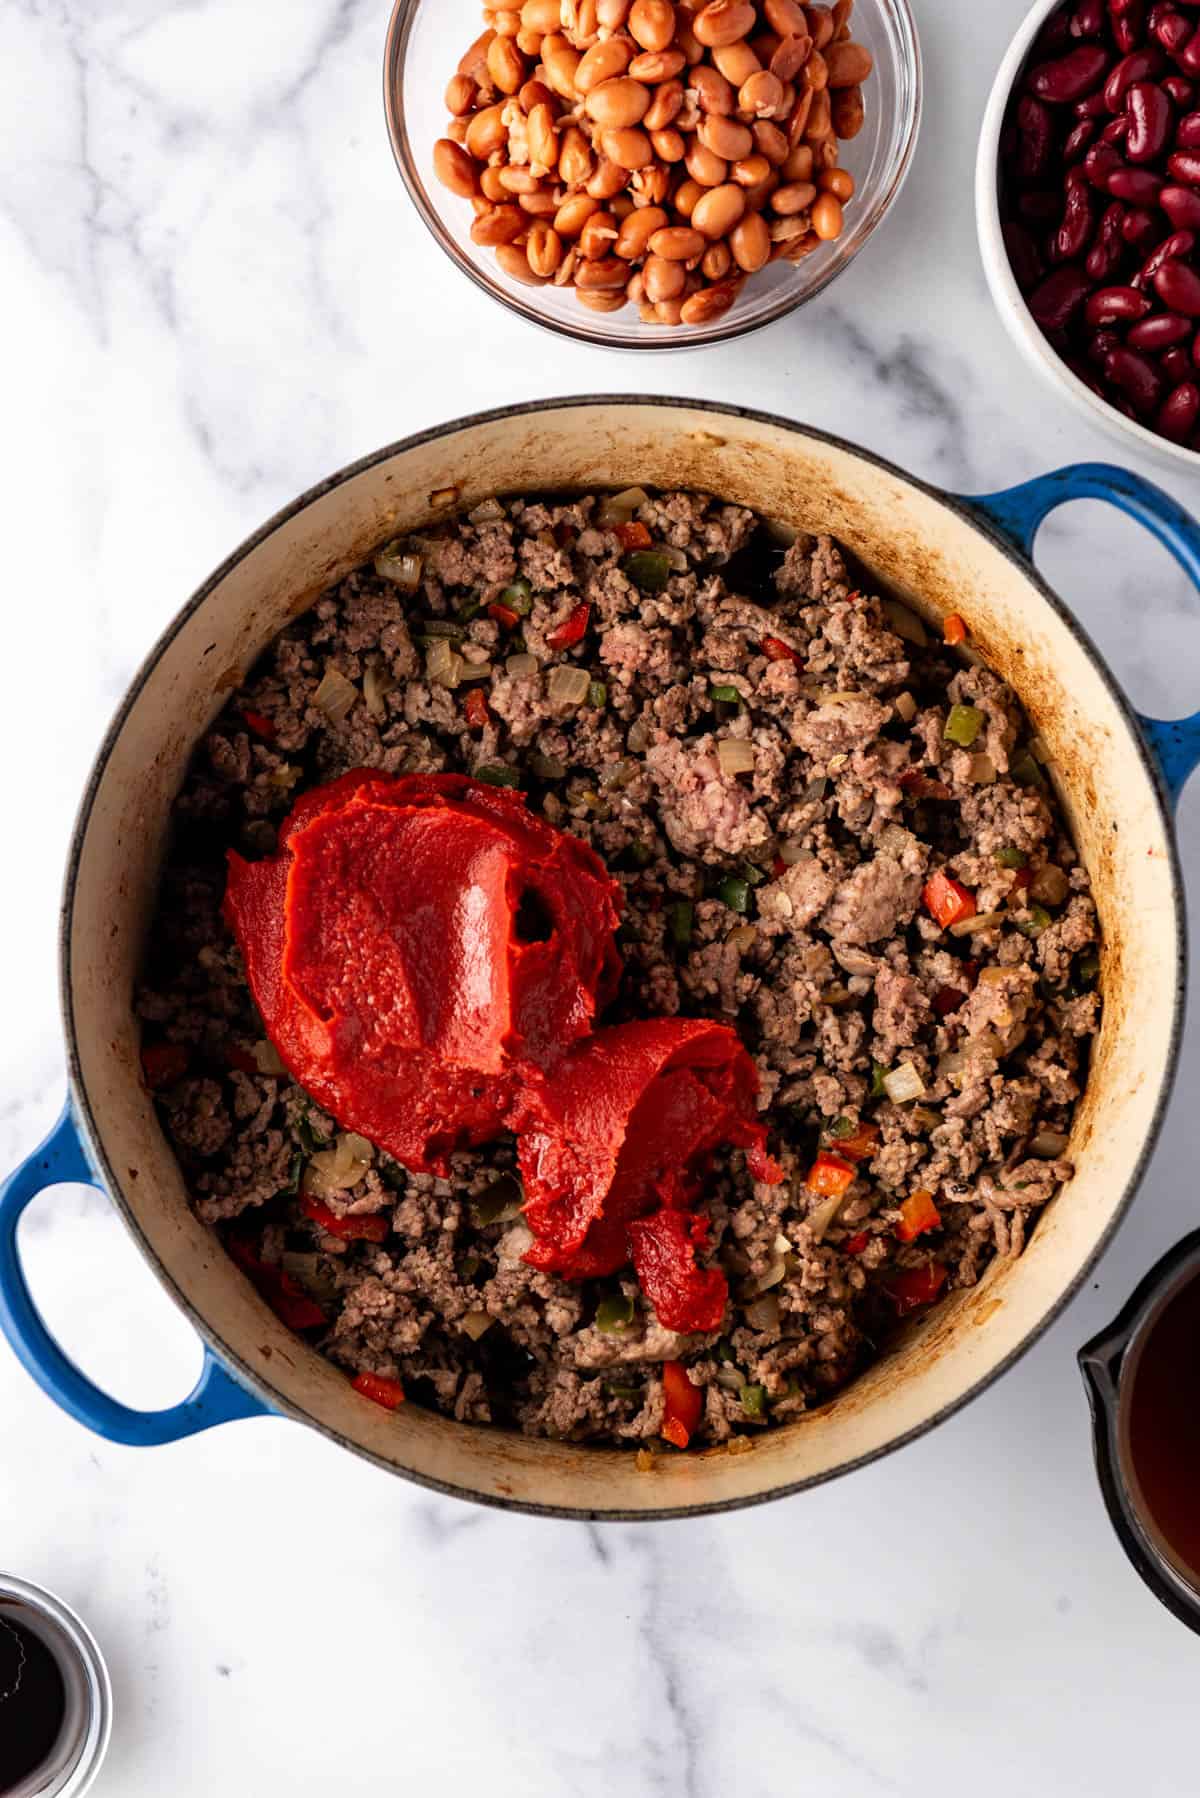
pixel 33 1702
pixel 1164 1425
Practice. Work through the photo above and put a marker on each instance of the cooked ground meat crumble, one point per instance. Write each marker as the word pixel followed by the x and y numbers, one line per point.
pixel 786 899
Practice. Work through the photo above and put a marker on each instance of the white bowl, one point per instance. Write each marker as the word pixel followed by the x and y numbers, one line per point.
pixel 1010 302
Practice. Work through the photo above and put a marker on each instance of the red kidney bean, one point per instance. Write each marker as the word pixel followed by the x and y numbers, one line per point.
pixel 1081 370
pixel 1088 19
pixel 1188 57
pixel 1176 364
pixel 1054 33
pixel 1150 115
pixel 1176 417
pixel 1187 132
pixel 1055 300
pixel 1101 345
pixel 1100 162
pixel 1174 32
pixel 1137 379
pixel 1040 205
pixel 1184 165
pixel 1104 257
pixel 1069 77
pixel 1182 92
pixel 1116 131
pixel 1093 107
pixel 1127 18
pixel 1178 287
pixel 1141 186
pixel 1139 65
pixel 1140 228
pixel 1036 139
pixel 1180 243
pixel 1078 140
pixel 1116 306
pixel 1181 205
pixel 1023 255
pixel 1161 332
pixel 1074 234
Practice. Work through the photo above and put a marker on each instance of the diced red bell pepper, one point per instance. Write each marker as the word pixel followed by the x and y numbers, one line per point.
pixel 948 999
pixel 377 1386
pixel 948 900
pixel 778 867
pixel 776 650
pixel 632 536
pixel 763 1166
pixel 829 1175
pixel 369 1227
pixel 475 708
pixel 1022 878
pixel 164 1063
pixel 285 1295
pixel 504 615
pixel 683 1404
pixel 915 782
pixel 241 1059
pixel 260 724
pixel 917 1214
pixel 860 1144
pixel 572 631
pixel 857 1243
pixel 914 1287
pixel 954 629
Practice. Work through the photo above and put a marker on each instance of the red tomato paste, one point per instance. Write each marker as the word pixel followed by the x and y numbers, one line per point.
pixel 429 959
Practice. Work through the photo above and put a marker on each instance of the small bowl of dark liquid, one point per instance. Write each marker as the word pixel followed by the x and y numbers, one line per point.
pixel 55 1699
pixel 1143 1380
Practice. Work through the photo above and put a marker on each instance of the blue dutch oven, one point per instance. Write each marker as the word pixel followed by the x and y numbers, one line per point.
pixel 1118 775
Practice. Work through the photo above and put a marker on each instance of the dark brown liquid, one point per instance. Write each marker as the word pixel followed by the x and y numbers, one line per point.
pixel 1164 1425
pixel 33 1701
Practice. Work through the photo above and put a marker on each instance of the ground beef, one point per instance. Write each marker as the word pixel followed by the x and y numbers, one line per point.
pixel 786 899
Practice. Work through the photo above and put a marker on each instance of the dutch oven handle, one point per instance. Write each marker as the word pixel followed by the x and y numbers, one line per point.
pixel 1019 511
pixel 216 1397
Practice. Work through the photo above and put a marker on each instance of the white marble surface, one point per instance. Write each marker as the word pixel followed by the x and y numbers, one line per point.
pixel 215 293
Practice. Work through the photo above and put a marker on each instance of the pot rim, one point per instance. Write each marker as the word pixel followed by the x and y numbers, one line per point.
pixel 229 1357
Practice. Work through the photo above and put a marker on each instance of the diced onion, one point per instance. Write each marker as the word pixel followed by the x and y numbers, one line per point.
pixel 906 705
pixel 267 1058
pixel 489 511
pixel 735 756
pixel 639 735
pixel 1038 750
pixel 1048 1145
pixel 395 563
pixel 476 1324
pixel 1050 885
pixel 905 623
pixel 377 684
pixel 729 1379
pixel 335 696
pixel 743 937
pixel 984 920
pixel 903 1083
pixel 339 1168
pixel 547 767
pixel 836 994
pixel 519 666
pixel 568 685
pixel 779 531
pixel 795 851
pixel 896 840
pixel 820 1220
pixel 776 1272
pixel 981 771
pixel 994 976
pixel 445 496
pixel 469 671
pixel 443 664
pixel 619 508
pixel 763 1313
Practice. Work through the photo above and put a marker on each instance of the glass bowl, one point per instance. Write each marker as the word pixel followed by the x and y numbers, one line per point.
pixel 424 42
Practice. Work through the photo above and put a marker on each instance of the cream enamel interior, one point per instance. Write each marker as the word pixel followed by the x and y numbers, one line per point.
pixel 915 544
